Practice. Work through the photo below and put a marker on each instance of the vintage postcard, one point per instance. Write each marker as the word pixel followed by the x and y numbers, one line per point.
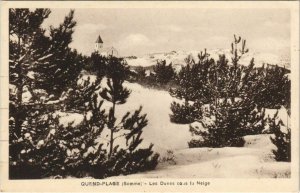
pixel 152 96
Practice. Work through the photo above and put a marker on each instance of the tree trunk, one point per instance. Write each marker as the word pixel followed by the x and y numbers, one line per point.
pixel 18 121
pixel 111 144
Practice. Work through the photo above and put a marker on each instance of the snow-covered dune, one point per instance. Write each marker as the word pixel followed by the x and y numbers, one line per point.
pixel 160 131
pixel 156 104
pixel 177 58
pixel 255 160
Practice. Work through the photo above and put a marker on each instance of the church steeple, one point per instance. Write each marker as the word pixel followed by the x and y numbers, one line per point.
pixel 104 51
pixel 98 43
pixel 99 40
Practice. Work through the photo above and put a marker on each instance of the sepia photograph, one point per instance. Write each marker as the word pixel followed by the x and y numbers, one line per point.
pixel 150 92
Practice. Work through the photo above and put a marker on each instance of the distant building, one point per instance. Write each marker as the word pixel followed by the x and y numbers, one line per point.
pixel 105 51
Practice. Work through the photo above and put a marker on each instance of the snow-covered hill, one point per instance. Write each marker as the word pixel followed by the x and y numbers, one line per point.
pixel 177 58
pixel 156 104
pixel 255 159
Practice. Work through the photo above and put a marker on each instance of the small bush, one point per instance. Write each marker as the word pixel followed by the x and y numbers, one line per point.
pixel 216 137
pixel 163 73
pixel 123 162
pixel 169 158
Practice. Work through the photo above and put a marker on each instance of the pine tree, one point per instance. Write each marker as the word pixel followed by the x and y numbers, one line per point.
pixel 231 122
pixel 82 148
pixel 96 63
pixel 46 148
pixel 24 55
pixel 39 145
pixel 64 63
pixel 38 61
pixel 78 97
pixel 234 112
pixel 163 73
pixel 281 139
pixel 140 74
pixel 274 89
pixel 37 142
pixel 200 78
pixel 183 113
pixel 115 93
pixel 191 87
pixel 184 90
pixel 129 159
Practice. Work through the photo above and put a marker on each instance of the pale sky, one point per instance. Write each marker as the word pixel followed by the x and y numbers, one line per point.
pixel 141 31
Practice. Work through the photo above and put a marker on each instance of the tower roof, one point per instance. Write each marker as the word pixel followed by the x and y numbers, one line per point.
pixel 99 40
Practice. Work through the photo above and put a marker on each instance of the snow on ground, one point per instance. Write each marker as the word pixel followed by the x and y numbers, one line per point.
pixel 160 131
pixel 255 160
pixel 177 58
pixel 156 104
